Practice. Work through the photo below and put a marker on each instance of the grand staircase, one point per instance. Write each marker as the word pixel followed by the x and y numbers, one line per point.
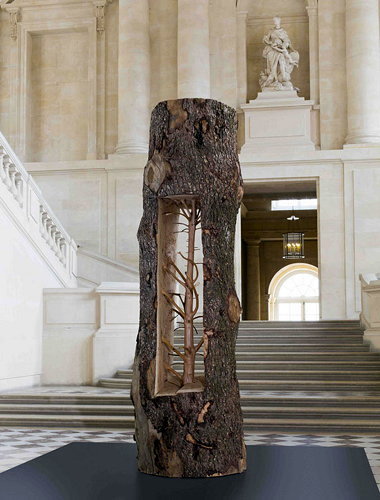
pixel 294 377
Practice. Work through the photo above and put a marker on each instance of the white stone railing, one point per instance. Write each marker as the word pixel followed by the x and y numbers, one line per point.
pixel 23 201
pixel 94 268
pixel 370 315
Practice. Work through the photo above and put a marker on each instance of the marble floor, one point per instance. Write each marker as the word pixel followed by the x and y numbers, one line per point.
pixel 18 445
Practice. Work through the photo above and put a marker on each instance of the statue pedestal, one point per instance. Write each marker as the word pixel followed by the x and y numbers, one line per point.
pixel 278 120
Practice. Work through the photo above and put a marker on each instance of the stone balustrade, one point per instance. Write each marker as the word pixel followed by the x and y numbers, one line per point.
pixel 11 177
pixel 370 315
pixel 23 201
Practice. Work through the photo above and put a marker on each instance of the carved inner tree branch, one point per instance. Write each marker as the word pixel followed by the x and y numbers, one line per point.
pixel 189 300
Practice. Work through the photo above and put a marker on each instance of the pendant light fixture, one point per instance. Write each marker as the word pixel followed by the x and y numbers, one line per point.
pixel 293 241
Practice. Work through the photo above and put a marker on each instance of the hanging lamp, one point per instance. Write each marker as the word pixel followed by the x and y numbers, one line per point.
pixel 293 242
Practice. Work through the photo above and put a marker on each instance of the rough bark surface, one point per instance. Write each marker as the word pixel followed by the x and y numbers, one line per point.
pixel 193 151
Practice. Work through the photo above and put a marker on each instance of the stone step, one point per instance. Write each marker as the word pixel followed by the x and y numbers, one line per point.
pixel 290 340
pixel 325 330
pixel 309 385
pixel 302 334
pixel 277 385
pixel 321 322
pixel 114 382
pixel 246 326
pixel 285 412
pixel 296 328
pixel 245 367
pixel 304 423
pixel 245 333
pixel 331 365
pixel 55 414
pixel 64 399
pixel 290 374
pixel 66 421
pixel 304 356
pixel 351 403
pixel 283 332
pixel 338 400
pixel 68 409
pixel 301 426
pixel 298 325
pixel 353 324
pixel 309 347
pixel 345 375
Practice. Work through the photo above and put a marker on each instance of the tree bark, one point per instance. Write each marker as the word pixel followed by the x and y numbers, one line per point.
pixel 193 152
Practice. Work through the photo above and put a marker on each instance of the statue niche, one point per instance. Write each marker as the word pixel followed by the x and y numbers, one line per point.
pixel 185 389
pixel 281 59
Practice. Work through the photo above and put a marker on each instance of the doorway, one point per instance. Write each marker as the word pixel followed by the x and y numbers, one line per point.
pixel 266 210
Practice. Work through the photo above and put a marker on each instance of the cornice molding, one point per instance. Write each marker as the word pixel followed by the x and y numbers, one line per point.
pixel 44 3
pixel 14 8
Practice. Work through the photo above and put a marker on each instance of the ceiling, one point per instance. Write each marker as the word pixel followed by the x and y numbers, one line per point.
pixel 303 187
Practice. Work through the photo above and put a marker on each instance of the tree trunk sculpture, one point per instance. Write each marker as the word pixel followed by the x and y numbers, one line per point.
pixel 189 422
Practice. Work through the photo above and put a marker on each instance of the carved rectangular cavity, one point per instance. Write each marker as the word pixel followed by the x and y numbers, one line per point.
pixel 179 297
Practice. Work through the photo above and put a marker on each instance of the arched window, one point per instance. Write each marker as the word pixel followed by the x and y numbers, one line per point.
pixel 294 294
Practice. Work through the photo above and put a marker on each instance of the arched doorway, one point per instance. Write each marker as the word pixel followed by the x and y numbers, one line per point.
pixel 294 294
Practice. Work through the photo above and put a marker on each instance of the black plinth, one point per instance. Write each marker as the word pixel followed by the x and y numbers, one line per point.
pixel 102 471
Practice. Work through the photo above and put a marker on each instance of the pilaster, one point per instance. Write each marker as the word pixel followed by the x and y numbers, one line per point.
pixel 193 49
pixel 134 77
pixel 363 72
pixel 312 10
pixel 242 17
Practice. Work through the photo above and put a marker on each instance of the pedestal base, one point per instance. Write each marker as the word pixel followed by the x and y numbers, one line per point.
pixel 107 471
pixel 278 120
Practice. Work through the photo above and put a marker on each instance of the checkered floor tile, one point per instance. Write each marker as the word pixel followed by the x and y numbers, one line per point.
pixel 17 446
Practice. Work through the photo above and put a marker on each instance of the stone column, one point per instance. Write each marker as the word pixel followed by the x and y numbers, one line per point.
pixel 253 281
pixel 363 71
pixel 134 77
pixel 312 10
pixel 242 56
pixel 193 49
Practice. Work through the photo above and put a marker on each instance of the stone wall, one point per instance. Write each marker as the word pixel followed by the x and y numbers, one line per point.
pixel 58 96
pixel 223 51
pixel 99 202
pixel 24 275
pixel 73 70
pixel 163 32
pixel 7 73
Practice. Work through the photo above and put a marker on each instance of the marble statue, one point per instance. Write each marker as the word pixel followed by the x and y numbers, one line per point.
pixel 281 59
